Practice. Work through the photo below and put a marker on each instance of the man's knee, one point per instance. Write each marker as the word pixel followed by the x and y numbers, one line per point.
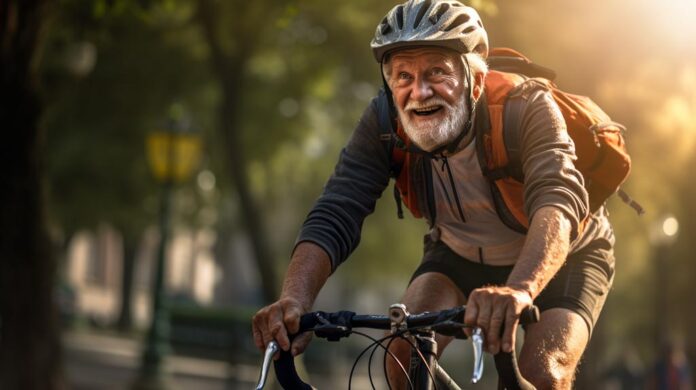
pixel 554 370
pixel 398 360
pixel 552 349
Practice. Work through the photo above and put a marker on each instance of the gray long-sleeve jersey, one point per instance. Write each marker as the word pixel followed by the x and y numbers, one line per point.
pixel 363 172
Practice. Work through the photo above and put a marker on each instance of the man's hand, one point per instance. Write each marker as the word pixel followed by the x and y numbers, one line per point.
pixel 276 321
pixel 491 308
pixel 308 270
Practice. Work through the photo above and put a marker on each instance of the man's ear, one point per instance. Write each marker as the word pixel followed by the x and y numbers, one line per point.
pixel 478 86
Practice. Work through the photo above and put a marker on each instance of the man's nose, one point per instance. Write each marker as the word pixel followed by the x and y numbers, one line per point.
pixel 422 90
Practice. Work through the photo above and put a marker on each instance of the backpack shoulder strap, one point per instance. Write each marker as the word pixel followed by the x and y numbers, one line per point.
pixel 493 160
pixel 494 148
pixel 386 125
pixel 507 60
pixel 512 124
pixel 387 135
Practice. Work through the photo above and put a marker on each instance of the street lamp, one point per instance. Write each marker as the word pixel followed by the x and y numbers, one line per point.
pixel 173 154
pixel 663 233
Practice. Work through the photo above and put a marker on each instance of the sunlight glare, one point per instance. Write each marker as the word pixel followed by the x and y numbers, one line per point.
pixel 676 19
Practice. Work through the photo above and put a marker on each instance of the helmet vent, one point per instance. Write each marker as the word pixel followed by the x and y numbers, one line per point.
pixel 469 29
pixel 384 27
pixel 400 17
pixel 438 14
pixel 421 11
pixel 461 19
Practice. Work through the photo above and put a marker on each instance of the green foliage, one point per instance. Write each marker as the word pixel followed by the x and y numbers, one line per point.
pixel 97 122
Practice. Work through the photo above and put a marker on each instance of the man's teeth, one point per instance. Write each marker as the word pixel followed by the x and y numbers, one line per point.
pixel 426 110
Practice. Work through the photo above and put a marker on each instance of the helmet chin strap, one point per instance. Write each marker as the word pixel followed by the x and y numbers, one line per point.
pixel 471 104
pixel 452 146
pixel 390 97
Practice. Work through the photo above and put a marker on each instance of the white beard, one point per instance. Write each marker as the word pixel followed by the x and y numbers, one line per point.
pixel 431 134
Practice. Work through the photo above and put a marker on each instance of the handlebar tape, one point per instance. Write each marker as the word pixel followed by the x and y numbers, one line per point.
pixel 509 372
pixel 506 362
pixel 287 373
pixel 529 315
pixel 285 365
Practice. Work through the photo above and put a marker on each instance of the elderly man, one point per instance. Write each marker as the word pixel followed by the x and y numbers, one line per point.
pixel 433 60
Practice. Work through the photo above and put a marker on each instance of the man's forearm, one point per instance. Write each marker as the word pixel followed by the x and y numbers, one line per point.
pixel 544 251
pixel 309 269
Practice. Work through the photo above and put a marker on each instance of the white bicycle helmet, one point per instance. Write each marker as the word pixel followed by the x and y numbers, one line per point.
pixel 446 23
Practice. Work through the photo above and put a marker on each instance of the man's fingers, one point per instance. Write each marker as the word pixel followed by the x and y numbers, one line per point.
pixel 496 311
pixel 300 343
pixel 483 320
pixel 470 315
pixel 277 329
pixel 277 322
pixel 262 333
pixel 256 331
pixel 291 318
pixel 495 328
pixel 511 322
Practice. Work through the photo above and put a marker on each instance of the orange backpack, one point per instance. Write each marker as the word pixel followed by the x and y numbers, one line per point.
pixel 600 147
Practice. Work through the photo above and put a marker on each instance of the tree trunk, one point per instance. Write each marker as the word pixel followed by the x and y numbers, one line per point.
pixel 125 317
pixel 29 341
pixel 252 217
pixel 230 71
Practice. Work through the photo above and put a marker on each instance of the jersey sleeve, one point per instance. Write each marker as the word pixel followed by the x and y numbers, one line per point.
pixel 548 155
pixel 359 178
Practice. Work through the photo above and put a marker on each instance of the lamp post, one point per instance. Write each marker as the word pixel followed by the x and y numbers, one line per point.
pixel 662 235
pixel 173 154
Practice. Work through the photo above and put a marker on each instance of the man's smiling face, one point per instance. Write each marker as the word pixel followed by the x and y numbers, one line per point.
pixel 429 90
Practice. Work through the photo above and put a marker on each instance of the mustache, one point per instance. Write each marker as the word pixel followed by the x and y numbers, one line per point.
pixel 433 101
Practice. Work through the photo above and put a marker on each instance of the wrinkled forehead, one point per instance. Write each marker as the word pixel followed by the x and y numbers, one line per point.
pixel 423 54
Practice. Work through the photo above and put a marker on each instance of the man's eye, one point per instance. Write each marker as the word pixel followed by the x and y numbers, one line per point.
pixel 437 72
pixel 404 76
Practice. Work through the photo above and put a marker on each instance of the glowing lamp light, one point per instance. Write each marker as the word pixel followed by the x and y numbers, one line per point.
pixel 670 226
pixel 173 157
pixel 664 231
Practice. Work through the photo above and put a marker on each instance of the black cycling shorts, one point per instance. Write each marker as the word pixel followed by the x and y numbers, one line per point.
pixel 581 285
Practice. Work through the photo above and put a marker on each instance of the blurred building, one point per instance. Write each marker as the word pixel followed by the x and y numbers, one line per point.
pixel 94 264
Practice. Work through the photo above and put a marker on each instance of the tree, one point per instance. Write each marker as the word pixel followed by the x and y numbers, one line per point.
pixel 29 343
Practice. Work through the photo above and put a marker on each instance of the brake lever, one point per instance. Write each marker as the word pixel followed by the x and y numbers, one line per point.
pixel 477 344
pixel 271 350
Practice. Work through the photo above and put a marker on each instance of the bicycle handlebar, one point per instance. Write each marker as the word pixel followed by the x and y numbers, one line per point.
pixel 334 326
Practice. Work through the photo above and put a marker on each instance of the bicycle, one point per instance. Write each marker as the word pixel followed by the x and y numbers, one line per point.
pixel 424 372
